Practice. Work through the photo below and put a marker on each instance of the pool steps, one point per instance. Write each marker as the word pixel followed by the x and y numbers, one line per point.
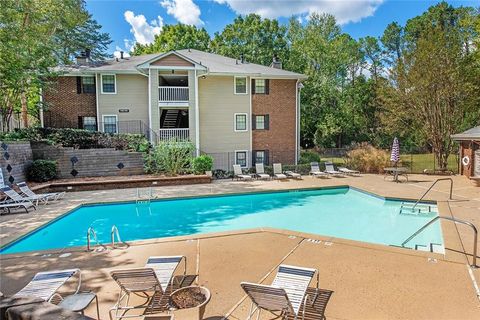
pixel 420 209
pixel 433 247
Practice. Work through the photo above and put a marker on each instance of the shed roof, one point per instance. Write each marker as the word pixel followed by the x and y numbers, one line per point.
pixel 470 134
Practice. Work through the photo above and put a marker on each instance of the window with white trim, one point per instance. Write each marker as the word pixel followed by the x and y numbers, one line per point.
pixel 88 84
pixel 89 123
pixel 260 86
pixel 110 124
pixel 241 158
pixel 109 83
pixel 240 122
pixel 240 85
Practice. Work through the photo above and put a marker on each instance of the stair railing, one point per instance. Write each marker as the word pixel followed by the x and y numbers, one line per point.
pixel 467 223
pixel 428 190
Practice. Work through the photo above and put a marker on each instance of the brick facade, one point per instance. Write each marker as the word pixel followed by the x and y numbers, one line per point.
pixel 280 105
pixel 65 105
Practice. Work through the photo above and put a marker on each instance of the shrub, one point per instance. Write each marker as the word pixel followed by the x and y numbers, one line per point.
pixel 222 174
pixel 202 163
pixel 42 170
pixel 26 134
pixel 75 138
pixel 308 156
pixel 367 158
pixel 170 157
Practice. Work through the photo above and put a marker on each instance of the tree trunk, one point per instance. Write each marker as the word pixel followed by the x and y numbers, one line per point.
pixel 23 99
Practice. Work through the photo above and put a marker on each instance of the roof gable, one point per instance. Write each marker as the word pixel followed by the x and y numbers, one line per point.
pixel 172 60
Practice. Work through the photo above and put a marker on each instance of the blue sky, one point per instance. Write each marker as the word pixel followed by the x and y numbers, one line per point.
pixel 130 21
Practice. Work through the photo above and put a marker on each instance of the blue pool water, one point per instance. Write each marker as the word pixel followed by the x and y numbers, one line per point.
pixel 339 212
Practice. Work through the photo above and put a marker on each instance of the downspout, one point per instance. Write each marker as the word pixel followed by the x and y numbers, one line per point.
pixel 197 117
pixel 42 123
pixel 297 120
pixel 96 101
pixel 150 107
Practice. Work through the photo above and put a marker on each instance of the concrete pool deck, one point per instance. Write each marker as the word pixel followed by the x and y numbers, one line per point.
pixel 362 281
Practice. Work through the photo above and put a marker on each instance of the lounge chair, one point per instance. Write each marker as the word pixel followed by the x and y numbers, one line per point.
pixel 277 171
pixel 349 171
pixel 44 285
pixel 165 267
pixel 294 175
pixel 316 172
pixel 238 174
pixel 330 169
pixel 287 293
pixel 17 205
pixel 141 282
pixel 260 172
pixel 44 197
pixel 14 196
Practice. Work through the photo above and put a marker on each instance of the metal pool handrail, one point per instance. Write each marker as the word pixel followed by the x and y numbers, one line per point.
pixel 91 231
pixel 471 225
pixel 113 233
pixel 442 179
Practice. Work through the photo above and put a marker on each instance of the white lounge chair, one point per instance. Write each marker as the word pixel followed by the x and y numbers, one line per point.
pixel 316 172
pixel 286 294
pixel 44 285
pixel 142 282
pixel 165 266
pixel 277 172
pixel 238 174
pixel 349 171
pixel 294 175
pixel 17 205
pixel 260 172
pixel 45 197
pixel 330 169
pixel 17 198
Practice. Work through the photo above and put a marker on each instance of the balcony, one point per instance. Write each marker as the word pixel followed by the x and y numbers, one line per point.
pixel 174 134
pixel 173 96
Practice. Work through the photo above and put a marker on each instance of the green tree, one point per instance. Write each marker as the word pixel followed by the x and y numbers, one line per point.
pixel 176 37
pixel 256 38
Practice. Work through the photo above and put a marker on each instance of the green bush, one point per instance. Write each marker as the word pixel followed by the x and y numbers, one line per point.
pixel 308 156
pixel 42 170
pixel 27 134
pixel 170 157
pixel 222 174
pixel 202 163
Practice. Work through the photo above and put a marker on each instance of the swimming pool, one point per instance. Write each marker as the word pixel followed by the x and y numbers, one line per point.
pixel 339 212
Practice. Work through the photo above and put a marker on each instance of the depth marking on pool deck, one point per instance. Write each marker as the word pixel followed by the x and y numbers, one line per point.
pixel 229 313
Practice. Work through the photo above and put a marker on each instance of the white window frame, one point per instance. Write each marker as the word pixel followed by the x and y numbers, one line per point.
pixel 110 115
pixel 94 83
pixel 94 120
pixel 101 82
pixel 264 85
pixel 246 157
pixel 264 121
pixel 235 85
pixel 255 154
pixel 235 121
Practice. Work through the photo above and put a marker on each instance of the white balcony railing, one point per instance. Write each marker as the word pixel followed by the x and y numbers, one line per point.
pixel 176 133
pixel 173 94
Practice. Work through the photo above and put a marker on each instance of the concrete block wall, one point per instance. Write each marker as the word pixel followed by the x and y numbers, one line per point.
pixel 15 158
pixel 90 162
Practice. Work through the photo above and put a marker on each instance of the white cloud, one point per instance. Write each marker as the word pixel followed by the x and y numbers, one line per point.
pixel 143 31
pixel 185 11
pixel 344 10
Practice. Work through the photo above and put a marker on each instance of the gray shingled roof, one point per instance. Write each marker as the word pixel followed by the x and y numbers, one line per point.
pixel 470 134
pixel 214 62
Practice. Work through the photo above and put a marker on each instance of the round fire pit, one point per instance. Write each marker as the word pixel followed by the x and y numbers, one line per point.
pixel 189 302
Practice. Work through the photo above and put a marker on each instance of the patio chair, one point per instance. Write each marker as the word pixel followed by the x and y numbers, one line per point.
pixel 14 196
pixel 293 175
pixel 349 171
pixel 316 172
pixel 330 169
pixel 260 172
pixel 17 205
pixel 238 174
pixel 140 282
pixel 44 197
pixel 277 172
pixel 44 285
pixel 165 267
pixel 287 293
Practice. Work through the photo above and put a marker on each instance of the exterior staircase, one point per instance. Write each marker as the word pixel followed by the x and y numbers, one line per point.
pixel 171 118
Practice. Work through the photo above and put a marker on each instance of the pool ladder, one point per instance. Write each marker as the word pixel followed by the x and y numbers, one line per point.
pixel 114 233
pixel 144 199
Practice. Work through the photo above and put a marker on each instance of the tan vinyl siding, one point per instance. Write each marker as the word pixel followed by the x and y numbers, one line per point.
pixel 191 104
pixel 155 125
pixel 132 94
pixel 218 104
pixel 172 61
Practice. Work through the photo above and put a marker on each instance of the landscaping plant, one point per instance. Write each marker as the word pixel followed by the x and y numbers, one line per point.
pixel 366 158
pixel 202 164
pixel 170 157
pixel 42 170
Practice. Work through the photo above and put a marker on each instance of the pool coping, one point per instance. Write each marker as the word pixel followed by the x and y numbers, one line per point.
pixel 225 233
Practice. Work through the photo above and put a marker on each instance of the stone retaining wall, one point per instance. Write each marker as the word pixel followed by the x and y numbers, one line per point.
pixel 15 158
pixel 90 162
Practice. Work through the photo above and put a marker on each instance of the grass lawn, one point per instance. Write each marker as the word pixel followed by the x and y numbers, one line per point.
pixel 416 162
